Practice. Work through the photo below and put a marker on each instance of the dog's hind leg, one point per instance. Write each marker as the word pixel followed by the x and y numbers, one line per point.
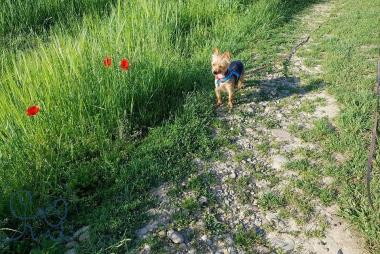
pixel 230 91
pixel 240 84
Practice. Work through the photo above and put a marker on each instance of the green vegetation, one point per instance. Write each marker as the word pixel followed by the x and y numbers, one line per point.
pixel 105 137
pixel 247 238
pixel 271 201
pixel 19 16
pixel 81 146
pixel 347 47
pixel 309 106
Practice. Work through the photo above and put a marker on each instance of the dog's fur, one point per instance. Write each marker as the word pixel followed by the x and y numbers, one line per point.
pixel 220 63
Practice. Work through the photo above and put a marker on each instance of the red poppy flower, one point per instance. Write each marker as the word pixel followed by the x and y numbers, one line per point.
pixel 107 61
pixel 124 65
pixel 32 110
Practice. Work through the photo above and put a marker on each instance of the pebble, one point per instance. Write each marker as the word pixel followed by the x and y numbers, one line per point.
pixel 200 224
pixel 175 236
pixel 81 231
pixel 258 221
pixel 71 244
pixel 162 234
pixel 287 245
pixel 148 228
pixel 229 240
pixel 71 251
pixel 278 161
pixel 203 200
pixel 146 249
pixel 271 217
pixel 262 250
pixel 84 237
pixel 231 250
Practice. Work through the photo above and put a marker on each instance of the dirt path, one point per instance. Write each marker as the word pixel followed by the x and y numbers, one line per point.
pixel 249 200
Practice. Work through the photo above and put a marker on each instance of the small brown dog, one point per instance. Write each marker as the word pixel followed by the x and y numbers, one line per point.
pixel 228 75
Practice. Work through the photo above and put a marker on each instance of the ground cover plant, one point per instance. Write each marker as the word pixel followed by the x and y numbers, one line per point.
pixel 105 136
pixel 348 51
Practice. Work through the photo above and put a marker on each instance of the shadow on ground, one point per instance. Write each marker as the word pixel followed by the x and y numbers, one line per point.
pixel 258 90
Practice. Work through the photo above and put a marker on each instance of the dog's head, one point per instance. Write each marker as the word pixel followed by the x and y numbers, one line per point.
pixel 220 63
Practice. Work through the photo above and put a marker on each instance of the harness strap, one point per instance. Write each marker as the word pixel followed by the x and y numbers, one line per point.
pixel 231 73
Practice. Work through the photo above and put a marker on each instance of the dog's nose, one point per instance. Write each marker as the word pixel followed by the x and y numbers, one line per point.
pixel 215 72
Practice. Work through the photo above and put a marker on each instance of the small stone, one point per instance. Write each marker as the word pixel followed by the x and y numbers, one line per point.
pixel 162 234
pixel 328 180
pixel 271 217
pixel 282 135
pixel 146 249
pixel 233 175
pixel 225 251
pixel 71 251
pixel 221 243
pixel 84 237
pixel 262 250
pixel 287 245
pixel 231 250
pixel 229 240
pixel 152 226
pixel 175 236
pixel 340 158
pixel 71 244
pixel 141 232
pixel 258 221
pixel 203 200
pixel 204 238
pixel 191 251
pixel 278 161
pixel 81 231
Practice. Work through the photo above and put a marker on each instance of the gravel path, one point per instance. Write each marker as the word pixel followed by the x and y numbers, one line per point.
pixel 239 203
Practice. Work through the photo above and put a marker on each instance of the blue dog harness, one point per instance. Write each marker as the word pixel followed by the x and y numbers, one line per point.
pixel 231 72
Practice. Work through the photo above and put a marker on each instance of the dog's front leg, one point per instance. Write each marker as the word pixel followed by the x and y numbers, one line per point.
pixel 218 97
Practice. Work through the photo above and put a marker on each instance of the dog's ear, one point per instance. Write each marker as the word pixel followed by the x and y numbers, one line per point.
pixel 215 51
pixel 227 55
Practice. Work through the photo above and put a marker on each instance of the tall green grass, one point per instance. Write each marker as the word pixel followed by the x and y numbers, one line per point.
pixel 26 16
pixel 85 106
pixel 80 144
